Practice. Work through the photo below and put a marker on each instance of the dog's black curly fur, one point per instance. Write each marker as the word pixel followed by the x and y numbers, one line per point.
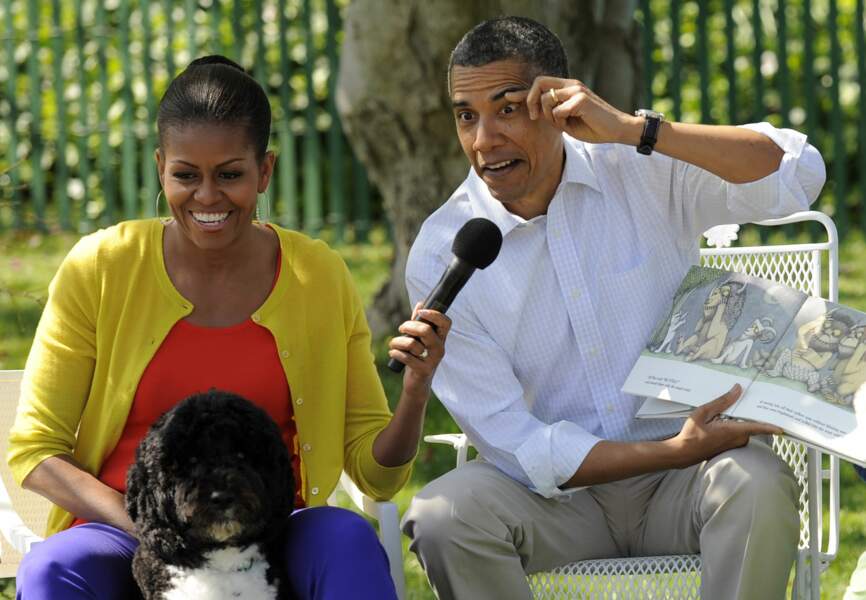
pixel 213 458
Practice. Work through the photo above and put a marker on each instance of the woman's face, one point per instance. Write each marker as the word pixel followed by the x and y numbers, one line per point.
pixel 211 180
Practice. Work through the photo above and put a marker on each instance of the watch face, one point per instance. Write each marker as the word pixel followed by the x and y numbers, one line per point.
pixel 645 112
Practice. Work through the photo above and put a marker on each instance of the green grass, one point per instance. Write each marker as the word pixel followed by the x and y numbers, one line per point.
pixel 28 261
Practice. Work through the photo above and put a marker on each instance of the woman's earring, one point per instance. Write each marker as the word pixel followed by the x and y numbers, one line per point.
pixel 263 208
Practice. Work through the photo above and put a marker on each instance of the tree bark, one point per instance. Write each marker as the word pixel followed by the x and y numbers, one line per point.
pixel 393 98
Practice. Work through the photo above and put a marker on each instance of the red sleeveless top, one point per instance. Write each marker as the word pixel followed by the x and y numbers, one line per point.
pixel 241 359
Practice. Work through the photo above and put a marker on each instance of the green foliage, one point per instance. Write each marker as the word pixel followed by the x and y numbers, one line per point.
pixel 769 77
pixel 112 70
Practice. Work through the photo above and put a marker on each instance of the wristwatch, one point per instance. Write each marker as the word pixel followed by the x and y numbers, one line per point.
pixel 652 123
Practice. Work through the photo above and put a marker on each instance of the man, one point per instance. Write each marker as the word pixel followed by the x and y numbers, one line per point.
pixel 597 237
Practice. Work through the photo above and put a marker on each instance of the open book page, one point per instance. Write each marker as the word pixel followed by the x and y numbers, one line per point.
pixel 814 383
pixel 721 327
pixel 653 408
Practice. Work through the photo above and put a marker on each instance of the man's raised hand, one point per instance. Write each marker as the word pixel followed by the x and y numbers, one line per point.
pixel 575 109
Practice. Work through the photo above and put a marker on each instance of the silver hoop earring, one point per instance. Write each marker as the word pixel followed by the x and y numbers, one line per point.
pixel 159 194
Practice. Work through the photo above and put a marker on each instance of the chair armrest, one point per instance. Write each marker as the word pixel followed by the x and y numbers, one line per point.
pixel 386 514
pixel 12 527
pixel 458 441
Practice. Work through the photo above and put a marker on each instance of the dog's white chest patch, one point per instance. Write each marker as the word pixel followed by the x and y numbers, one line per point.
pixel 229 574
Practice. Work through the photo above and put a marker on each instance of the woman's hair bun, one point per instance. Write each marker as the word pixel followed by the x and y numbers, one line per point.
pixel 215 59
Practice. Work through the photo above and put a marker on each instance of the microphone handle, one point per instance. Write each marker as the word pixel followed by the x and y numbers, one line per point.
pixel 451 282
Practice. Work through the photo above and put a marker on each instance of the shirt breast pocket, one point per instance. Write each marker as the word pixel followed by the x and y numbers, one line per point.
pixel 633 298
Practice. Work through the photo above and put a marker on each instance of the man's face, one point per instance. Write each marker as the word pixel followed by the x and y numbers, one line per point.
pixel 519 159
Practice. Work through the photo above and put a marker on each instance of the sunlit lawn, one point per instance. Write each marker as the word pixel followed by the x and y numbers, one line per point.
pixel 27 262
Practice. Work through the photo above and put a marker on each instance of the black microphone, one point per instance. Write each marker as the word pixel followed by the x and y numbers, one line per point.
pixel 475 246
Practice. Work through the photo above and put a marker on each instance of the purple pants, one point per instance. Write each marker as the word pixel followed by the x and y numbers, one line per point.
pixel 334 555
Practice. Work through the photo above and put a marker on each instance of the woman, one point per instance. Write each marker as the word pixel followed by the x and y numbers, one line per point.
pixel 144 313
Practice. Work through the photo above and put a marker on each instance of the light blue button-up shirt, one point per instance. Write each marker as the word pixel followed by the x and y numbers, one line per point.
pixel 543 339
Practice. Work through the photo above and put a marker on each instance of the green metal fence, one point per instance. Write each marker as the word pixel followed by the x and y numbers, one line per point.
pixel 795 63
pixel 79 82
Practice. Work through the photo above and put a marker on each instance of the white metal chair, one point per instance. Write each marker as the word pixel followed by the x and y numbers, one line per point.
pixel 678 577
pixel 22 512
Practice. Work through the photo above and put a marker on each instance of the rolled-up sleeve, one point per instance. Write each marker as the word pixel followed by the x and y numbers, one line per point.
pixel 478 386
pixel 59 367
pixel 700 199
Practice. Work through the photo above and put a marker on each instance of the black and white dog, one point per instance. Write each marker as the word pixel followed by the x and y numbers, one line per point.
pixel 210 493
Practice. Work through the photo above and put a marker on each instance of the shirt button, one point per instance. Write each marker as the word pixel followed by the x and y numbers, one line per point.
pixel 575 294
pixel 299 401
pixel 610 408
pixel 593 352
pixel 256 318
pixel 286 354
pixel 307 447
pixel 314 491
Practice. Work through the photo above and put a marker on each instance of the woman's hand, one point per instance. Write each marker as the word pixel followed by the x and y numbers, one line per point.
pixel 421 348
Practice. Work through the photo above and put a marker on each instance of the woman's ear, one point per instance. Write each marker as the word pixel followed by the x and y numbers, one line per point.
pixel 266 170
pixel 160 165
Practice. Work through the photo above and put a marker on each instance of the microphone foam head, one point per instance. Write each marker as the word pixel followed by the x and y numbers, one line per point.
pixel 478 242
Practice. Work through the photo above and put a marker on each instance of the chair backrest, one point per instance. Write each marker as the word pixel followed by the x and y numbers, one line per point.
pixel 16 503
pixel 799 266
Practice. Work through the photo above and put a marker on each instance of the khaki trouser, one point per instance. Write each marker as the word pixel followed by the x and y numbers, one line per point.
pixel 857 588
pixel 478 532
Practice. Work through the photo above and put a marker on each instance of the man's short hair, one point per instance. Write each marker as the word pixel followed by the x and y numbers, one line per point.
pixel 505 38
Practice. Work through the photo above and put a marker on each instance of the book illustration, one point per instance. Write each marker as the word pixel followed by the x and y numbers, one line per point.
pixel 822 353
pixel 725 320
pixel 800 360
pixel 739 351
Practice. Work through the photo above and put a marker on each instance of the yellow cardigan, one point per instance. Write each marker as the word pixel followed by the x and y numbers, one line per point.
pixel 110 306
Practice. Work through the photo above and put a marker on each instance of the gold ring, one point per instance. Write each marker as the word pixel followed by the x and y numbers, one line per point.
pixel 553 96
pixel 424 354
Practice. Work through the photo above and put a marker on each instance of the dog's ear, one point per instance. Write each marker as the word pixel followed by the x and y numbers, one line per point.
pixel 165 542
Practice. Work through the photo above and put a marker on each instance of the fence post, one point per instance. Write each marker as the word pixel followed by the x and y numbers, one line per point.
pixel 731 62
pixel 648 39
pixel 704 62
pixel 106 165
pixel 336 171
pixel 312 183
pixel 840 171
pixel 167 9
pixel 148 169
pixel 85 224
pixel 286 162
pixel 61 198
pixel 861 72
pixel 12 150
pixel 129 185
pixel 37 176
pixel 675 83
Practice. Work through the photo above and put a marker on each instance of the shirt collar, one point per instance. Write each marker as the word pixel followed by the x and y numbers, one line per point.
pixel 578 169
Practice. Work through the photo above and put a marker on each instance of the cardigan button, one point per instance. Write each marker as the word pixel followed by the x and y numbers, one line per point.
pixel 299 401
pixel 256 318
pixel 314 491
pixel 285 354
pixel 307 447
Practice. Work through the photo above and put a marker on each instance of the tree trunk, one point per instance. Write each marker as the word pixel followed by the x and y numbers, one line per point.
pixel 393 98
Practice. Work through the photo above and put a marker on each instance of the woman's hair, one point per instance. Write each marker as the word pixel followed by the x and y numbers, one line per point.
pixel 216 90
